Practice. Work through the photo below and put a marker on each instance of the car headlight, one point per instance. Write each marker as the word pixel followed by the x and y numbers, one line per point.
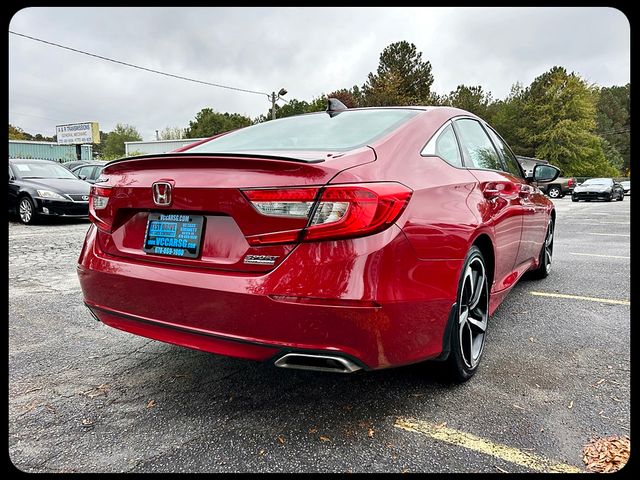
pixel 50 195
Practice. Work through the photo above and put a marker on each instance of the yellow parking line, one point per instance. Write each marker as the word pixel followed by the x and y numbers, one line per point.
pixel 597 255
pixel 579 297
pixel 471 442
pixel 611 234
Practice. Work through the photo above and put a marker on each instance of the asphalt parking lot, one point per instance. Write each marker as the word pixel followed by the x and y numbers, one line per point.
pixel 84 397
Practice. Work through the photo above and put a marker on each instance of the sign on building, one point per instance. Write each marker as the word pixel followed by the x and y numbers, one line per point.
pixel 77 133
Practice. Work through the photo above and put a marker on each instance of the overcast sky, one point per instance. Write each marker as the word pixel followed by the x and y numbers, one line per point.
pixel 308 51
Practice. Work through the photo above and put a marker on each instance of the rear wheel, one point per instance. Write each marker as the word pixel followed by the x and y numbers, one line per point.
pixel 26 211
pixel 470 324
pixel 555 191
pixel 546 253
pixel 621 197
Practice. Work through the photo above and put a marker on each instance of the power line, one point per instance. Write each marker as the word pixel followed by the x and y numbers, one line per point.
pixel 139 67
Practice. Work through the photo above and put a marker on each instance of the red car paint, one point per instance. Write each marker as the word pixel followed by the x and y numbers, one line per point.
pixel 382 299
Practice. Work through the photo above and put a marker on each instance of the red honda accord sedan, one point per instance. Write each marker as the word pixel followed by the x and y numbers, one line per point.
pixel 342 240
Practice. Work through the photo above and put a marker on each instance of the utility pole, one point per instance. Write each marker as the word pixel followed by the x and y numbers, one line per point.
pixel 281 93
pixel 273 106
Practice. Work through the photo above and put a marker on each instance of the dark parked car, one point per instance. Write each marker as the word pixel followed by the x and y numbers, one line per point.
pixel 89 172
pixel 73 164
pixel 43 187
pixel 626 186
pixel 598 189
pixel 337 241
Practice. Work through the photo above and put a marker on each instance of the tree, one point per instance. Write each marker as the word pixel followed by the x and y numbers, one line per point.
pixel 171 133
pixel 345 96
pixel 473 99
pixel 613 124
pixel 298 107
pixel 114 141
pixel 559 112
pixel 16 133
pixel 209 122
pixel 507 118
pixel 402 78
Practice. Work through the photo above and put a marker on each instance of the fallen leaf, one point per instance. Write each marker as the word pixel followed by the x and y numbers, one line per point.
pixel 87 423
pixel 570 404
pixel 370 434
pixel 441 425
pixel 262 451
pixel 607 454
pixel 325 439
pixel 600 381
pixel 49 408
pixel 100 390
pixel 531 339
pixel 542 429
pixel 405 470
pixel 313 430
pixel 151 403
pixel 281 439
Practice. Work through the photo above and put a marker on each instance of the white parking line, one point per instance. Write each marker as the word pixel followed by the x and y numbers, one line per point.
pixel 596 255
pixel 471 442
pixel 579 297
pixel 611 234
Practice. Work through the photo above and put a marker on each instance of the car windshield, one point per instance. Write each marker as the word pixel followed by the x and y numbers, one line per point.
pixel 597 181
pixel 345 131
pixel 42 170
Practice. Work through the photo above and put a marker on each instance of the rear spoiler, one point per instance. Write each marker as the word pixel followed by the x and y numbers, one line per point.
pixel 281 158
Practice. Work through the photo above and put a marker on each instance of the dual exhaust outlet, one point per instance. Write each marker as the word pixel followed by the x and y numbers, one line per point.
pixel 320 363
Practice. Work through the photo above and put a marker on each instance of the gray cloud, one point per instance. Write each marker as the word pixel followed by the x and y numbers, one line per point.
pixel 309 51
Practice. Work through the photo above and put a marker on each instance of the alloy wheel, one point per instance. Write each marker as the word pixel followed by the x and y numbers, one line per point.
pixel 473 313
pixel 554 192
pixel 26 210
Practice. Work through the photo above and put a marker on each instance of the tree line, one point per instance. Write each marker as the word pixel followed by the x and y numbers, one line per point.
pixel 582 128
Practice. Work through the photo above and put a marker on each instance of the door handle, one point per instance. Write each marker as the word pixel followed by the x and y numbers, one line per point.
pixel 492 190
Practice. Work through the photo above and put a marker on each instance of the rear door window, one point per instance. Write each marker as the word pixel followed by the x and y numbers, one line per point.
pixel 476 145
pixel 445 146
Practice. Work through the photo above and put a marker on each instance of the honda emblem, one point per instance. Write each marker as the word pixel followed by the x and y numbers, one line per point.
pixel 162 194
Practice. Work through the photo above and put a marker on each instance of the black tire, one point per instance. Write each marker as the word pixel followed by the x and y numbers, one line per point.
pixel 608 198
pixel 26 211
pixel 574 198
pixel 465 349
pixel 621 198
pixel 546 254
pixel 555 191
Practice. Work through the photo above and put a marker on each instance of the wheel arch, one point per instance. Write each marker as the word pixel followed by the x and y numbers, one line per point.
pixel 485 244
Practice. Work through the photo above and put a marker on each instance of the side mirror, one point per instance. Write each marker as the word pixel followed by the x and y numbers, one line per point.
pixel 545 173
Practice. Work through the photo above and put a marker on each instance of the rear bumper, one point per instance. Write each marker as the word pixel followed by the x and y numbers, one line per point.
pixel 383 307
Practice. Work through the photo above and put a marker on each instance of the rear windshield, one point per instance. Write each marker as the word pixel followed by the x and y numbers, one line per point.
pixel 345 131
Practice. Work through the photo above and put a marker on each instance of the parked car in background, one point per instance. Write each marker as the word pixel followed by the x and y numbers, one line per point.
pixel 598 189
pixel 337 241
pixel 74 163
pixel 557 188
pixel 626 186
pixel 43 187
pixel 89 172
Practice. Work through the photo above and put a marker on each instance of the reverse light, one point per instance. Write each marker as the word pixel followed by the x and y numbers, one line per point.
pixel 341 211
pixel 99 198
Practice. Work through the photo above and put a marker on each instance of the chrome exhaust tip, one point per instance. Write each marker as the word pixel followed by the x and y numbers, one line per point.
pixel 320 363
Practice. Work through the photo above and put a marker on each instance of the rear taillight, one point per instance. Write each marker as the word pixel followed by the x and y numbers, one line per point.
pixel 341 211
pixel 570 182
pixel 99 197
pixel 98 201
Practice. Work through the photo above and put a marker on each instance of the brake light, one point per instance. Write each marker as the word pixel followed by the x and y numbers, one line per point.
pixel 98 201
pixel 342 211
pixel 570 182
pixel 99 197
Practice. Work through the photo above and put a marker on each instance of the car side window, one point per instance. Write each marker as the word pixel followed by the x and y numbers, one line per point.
pixel 84 171
pixel 96 173
pixel 510 161
pixel 479 149
pixel 445 146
